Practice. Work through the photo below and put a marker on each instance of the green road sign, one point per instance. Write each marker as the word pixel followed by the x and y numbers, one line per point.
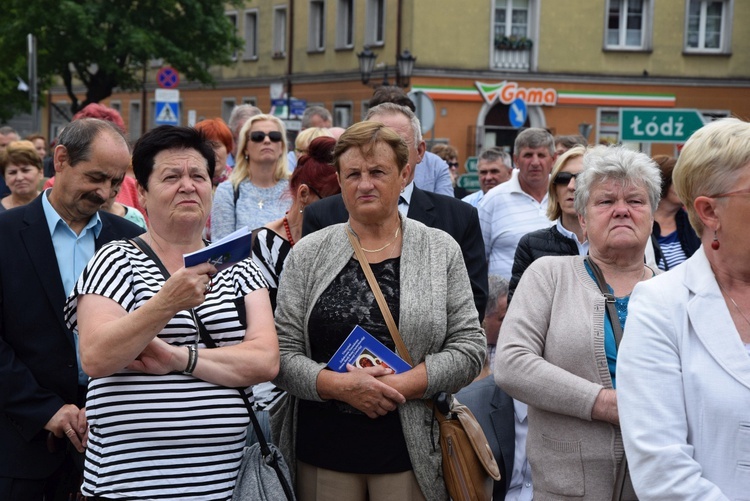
pixel 658 125
pixel 471 164
pixel 468 181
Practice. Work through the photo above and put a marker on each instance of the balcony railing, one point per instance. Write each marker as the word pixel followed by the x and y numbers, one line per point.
pixel 511 53
pixel 513 60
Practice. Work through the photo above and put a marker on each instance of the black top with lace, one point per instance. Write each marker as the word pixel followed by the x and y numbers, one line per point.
pixel 332 434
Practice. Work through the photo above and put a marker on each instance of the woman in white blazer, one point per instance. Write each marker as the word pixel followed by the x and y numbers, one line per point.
pixel 683 371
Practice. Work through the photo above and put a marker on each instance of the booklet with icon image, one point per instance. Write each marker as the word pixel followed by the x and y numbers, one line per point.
pixel 225 252
pixel 362 350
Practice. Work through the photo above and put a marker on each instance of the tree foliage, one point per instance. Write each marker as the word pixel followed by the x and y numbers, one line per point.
pixel 100 45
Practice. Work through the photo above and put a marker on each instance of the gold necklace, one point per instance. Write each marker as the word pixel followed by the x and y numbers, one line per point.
pixel 733 302
pixel 398 229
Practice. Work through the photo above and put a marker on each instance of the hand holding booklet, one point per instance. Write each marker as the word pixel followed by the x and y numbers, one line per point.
pixel 362 350
pixel 225 252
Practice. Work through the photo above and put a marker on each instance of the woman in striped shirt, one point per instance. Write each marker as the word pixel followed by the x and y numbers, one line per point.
pixel 165 419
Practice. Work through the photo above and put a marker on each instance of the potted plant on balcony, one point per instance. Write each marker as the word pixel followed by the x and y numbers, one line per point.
pixel 513 42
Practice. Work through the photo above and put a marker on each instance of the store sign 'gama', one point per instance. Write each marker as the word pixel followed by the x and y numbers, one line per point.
pixel 506 92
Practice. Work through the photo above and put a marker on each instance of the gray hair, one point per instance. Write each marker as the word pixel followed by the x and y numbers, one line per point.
pixel 494 154
pixel 394 109
pixel 498 287
pixel 534 138
pixel 315 111
pixel 241 114
pixel 603 163
pixel 7 130
pixel 78 136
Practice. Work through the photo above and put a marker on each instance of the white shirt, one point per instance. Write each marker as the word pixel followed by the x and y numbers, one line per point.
pixel 403 207
pixel 583 248
pixel 474 198
pixel 506 213
pixel 520 487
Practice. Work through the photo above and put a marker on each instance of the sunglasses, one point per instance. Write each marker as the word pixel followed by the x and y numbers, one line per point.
pixel 563 178
pixel 453 165
pixel 259 136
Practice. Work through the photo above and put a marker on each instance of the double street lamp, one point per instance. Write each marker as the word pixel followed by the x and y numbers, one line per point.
pixel 404 67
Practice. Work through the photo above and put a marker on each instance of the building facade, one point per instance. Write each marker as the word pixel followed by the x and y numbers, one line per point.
pixel 575 64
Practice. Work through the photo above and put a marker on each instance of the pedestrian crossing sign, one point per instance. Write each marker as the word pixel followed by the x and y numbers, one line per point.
pixel 167 113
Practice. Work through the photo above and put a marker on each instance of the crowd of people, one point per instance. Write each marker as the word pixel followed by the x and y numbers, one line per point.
pixel 590 305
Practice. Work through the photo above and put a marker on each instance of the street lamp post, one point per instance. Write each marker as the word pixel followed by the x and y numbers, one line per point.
pixel 404 67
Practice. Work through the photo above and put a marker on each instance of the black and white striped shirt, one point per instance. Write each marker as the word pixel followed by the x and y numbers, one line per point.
pixel 170 436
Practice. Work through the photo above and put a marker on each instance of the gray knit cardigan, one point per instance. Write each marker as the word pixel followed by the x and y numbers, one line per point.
pixel 438 322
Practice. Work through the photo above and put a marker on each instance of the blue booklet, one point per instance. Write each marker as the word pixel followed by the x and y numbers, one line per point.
pixel 225 252
pixel 362 350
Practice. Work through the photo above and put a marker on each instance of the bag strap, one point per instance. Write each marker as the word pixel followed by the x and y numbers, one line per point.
pixel 401 349
pixel 146 249
pixel 609 300
pixel 268 455
pixel 397 339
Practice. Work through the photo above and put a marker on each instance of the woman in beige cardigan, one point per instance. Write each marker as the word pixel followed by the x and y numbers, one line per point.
pixel 557 351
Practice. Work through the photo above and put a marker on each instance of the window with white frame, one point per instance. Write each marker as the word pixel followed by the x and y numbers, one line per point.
pixel 342 115
pixel 708 26
pixel 251 34
pixel 227 105
pixel 345 24
pixel 511 19
pixel 628 24
pixel 232 16
pixel 279 31
pixel 375 22
pixel 316 32
pixel 134 120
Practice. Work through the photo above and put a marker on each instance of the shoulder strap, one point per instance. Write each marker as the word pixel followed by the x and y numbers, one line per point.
pixel 146 249
pixel 400 346
pixel 609 300
pixel 268 455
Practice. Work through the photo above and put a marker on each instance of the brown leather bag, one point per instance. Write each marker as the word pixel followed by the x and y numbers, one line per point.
pixel 468 464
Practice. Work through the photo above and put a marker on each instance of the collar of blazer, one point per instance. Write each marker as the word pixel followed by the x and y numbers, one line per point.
pixel 711 322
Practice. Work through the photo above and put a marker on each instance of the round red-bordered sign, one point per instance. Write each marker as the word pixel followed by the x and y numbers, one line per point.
pixel 167 78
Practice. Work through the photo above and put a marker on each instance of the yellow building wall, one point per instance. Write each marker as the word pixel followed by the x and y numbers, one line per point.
pixel 572 38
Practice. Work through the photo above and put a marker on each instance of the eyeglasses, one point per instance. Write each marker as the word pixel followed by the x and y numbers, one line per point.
pixel 258 136
pixel 452 165
pixel 563 178
pixel 745 191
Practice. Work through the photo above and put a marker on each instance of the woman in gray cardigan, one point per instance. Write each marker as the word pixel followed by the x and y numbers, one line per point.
pixel 367 431
pixel 557 350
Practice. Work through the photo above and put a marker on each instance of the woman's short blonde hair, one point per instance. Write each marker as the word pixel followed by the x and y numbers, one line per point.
pixel 365 136
pixel 241 169
pixel 306 137
pixel 711 163
pixel 554 212
pixel 19 153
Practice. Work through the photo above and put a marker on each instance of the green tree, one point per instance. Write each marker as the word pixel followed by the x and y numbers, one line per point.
pixel 95 46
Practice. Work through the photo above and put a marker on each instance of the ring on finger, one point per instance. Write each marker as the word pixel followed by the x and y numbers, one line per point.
pixel 209 284
pixel 69 432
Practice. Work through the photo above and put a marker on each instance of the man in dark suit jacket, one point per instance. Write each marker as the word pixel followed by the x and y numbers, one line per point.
pixel 43 245
pixel 460 220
